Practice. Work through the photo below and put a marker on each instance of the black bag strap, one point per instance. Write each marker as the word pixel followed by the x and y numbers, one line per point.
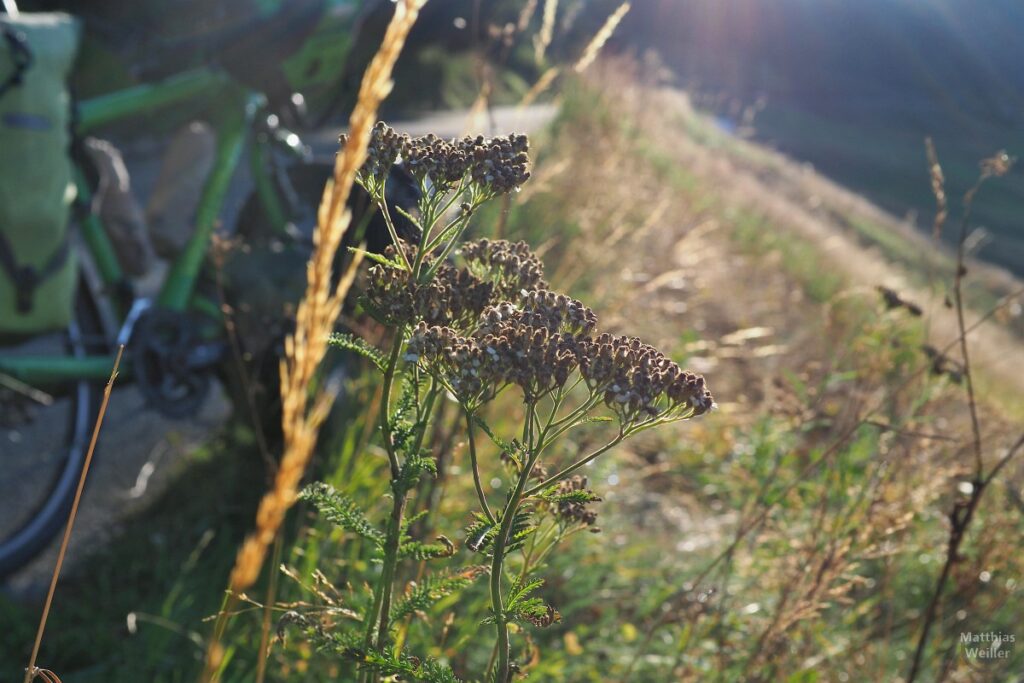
pixel 27 279
pixel 21 57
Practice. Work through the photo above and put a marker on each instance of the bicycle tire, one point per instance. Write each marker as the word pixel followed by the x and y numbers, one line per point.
pixel 36 529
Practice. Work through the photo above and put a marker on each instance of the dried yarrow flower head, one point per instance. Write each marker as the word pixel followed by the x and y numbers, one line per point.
pixel 496 271
pixel 442 161
pixel 503 352
pixel 538 344
pixel 540 310
pixel 491 165
pixel 464 366
pixel 638 382
pixel 381 154
pixel 454 297
pixel 511 266
pixel 499 164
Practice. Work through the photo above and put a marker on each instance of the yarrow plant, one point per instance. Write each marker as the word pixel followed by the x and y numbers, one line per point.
pixel 471 322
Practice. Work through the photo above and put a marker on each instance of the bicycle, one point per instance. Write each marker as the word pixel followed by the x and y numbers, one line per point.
pixel 176 340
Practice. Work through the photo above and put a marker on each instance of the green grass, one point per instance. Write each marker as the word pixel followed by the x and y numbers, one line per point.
pixel 167 567
pixel 170 565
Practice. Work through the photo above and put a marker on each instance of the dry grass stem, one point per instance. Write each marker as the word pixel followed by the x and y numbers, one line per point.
pixel 320 307
pixel 542 84
pixel 547 30
pixel 600 38
pixel 591 53
pixel 526 15
pixel 32 672
pixel 938 182
pixel 316 316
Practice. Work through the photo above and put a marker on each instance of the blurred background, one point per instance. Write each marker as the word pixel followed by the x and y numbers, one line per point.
pixel 743 182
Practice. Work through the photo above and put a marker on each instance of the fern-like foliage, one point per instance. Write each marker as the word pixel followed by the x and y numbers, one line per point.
pixel 480 533
pixel 581 496
pixel 404 424
pixel 521 607
pixel 378 258
pixel 521 589
pixel 422 596
pixel 414 467
pixel 404 667
pixel 340 510
pixel 349 342
pixel 510 449
pixel 418 550
pixel 347 645
pixel 522 527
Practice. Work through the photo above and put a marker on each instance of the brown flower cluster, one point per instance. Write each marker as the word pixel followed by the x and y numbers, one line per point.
pixel 504 350
pixel 381 155
pixel 637 379
pixel 497 165
pixel 511 266
pixel 538 344
pixel 575 511
pixel 454 297
pixel 491 325
pixel 497 271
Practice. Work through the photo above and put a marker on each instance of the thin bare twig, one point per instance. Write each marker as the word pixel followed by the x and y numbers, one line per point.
pixel 31 672
pixel 962 514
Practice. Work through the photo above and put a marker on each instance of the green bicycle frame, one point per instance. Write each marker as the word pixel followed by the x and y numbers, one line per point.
pixel 235 109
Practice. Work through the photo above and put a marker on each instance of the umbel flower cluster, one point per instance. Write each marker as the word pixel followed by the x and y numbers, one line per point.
pixel 475 319
pixel 497 271
pixel 493 323
pixel 497 164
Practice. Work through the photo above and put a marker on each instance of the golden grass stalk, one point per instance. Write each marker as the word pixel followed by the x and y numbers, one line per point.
pixel 938 181
pixel 526 15
pixel 32 671
pixel 320 307
pixel 317 314
pixel 547 30
pixel 600 38
pixel 590 54
pixel 542 84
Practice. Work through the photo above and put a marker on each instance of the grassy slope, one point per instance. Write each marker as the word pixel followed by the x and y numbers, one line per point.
pixel 643 221
pixel 718 264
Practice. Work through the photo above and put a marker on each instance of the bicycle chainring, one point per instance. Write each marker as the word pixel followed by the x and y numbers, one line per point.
pixel 172 364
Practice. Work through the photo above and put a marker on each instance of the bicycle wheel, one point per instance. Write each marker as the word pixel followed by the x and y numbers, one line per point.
pixel 43 447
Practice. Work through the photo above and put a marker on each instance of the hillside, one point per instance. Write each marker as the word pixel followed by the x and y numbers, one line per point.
pixel 855 87
pixel 794 534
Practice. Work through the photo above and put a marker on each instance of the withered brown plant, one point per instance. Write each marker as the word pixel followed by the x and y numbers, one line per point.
pixel 470 321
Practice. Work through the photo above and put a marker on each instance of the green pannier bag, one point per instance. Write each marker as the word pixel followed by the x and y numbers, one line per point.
pixel 37 270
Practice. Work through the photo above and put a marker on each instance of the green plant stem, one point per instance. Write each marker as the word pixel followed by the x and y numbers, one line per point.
pixel 395 467
pixel 385 403
pixel 381 614
pixel 500 619
pixel 387 578
pixel 382 203
pixel 508 516
pixel 476 469
pixel 575 466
